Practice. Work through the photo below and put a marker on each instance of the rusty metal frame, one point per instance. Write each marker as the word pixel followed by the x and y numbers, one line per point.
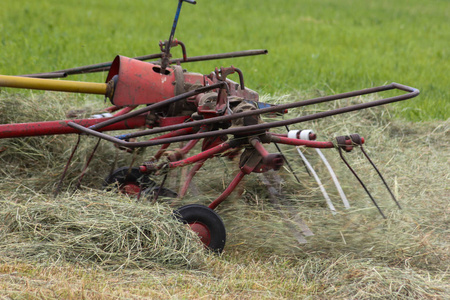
pixel 411 93
pixel 101 67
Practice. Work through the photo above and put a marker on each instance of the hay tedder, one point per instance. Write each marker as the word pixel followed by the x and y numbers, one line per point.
pixel 221 115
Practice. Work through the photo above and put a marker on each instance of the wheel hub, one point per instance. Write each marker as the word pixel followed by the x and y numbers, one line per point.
pixel 131 189
pixel 202 231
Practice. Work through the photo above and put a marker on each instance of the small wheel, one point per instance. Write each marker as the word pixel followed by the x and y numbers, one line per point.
pixel 206 223
pixel 128 180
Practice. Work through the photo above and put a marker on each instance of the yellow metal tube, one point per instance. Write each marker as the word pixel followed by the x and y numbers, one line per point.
pixel 53 85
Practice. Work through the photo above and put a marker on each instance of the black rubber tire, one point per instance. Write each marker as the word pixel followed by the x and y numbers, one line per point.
pixel 191 213
pixel 125 175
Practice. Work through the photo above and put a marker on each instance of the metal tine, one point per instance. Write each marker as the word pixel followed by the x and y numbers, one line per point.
pixel 287 162
pixel 277 180
pixel 334 177
pixel 275 198
pixel 88 162
pixel 316 177
pixel 332 173
pixel 357 140
pixel 341 143
pixel 63 175
pixel 155 198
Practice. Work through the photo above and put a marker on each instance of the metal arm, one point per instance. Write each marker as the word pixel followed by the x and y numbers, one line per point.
pixel 166 57
pixel 412 92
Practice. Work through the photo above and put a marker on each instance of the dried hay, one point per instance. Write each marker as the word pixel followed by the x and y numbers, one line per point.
pixel 414 159
pixel 353 254
pixel 90 227
pixel 38 161
pixel 86 227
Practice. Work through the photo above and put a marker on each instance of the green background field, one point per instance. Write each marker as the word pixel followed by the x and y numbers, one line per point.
pixel 327 45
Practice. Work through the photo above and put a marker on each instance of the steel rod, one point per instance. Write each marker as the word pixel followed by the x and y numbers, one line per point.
pixel 85 69
pixel 258 128
pixel 57 74
pixel 288 106
pixel 189 59
pixel 220 56
pixel 100 67
pixel 381 176
pixel 360 182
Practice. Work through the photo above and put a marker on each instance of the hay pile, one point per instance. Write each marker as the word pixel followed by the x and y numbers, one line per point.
pixel 39 161
pixel 348 278
pixel 354 254
pixel 88 227
pixel 91 228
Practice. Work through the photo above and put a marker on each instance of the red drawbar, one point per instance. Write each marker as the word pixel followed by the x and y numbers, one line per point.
pixel 61 127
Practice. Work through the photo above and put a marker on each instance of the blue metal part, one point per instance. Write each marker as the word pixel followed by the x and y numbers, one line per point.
pixel 175 22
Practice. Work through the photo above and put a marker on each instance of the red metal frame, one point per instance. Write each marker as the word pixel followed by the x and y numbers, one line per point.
pixel 228 190
pixel 201 156
pixel 297 142
pixel 135 82
pixel 61 127
pixel 162 89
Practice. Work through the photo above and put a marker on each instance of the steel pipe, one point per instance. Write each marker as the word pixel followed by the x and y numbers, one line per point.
pixel 106 65
pixel 248 129
pixel 413 92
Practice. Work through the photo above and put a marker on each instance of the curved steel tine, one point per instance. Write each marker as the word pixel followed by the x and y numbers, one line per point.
pixel 334 177
pixel 356 139
pixel 287 162
pixel 382 179
pixel 316 177
pixel 63 175
pixel 361 182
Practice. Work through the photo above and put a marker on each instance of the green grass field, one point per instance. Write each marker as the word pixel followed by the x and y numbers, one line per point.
pixel 333 46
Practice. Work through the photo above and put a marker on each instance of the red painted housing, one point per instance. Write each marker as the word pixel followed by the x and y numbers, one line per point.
pixel 140 82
